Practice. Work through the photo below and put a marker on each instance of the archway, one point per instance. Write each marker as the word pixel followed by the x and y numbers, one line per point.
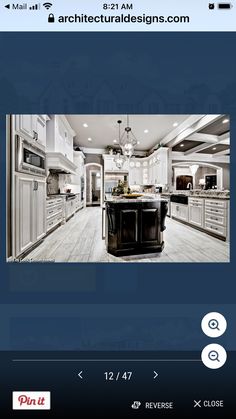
pixel 219 170
pixel 93 184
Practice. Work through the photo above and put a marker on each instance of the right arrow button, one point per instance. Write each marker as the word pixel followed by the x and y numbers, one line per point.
pixel 155 375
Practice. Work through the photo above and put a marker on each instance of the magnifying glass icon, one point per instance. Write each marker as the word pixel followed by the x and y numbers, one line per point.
pixel 213 324
pixel 213 356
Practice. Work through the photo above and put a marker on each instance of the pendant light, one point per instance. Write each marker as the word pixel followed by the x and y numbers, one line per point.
pixel 119 159
pixel 128 140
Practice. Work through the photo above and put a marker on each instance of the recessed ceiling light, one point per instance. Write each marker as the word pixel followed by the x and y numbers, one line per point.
pixel 138 142
pixel 175 124
pixel 181 145
pixel 225 121
pixel 85 125
pixel 214 148
pixel 114 141
pixel 145 131
pixel 89 139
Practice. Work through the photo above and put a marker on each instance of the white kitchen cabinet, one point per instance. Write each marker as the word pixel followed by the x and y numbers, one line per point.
pixel 24 125
pixel 60 137
pixel 150 171
pixel 32 127
pixel 160 164
pixel 145 172
pixel 135 172
pixel 78 160
pixel 179 211
pixel 153 170
pixel 55 211
pixel 70 208
pixel 40 209
pixel 217 217
pixel 39 128
pixel 196 212
pixel 110 165
pixel 30 211
pixel 66 140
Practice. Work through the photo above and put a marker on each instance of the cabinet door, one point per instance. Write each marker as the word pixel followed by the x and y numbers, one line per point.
pixel 183 212
pixel 40 209
pixel 163 173
pixel 24 214
pixel 157 173
pixel 108 166
pixel 138 173
pixel 179 211
pixel 24 125
pixel 196 215
pixel 145 175
pixel 128 228
pixel 39 126
pixel 132 176
pixel 149 233
pixel 150 172
pixel 173 210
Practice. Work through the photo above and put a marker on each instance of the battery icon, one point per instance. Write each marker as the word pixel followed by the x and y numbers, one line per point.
pixel 224 5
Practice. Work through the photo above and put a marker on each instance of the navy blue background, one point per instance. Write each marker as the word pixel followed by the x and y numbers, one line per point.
pixel 114 73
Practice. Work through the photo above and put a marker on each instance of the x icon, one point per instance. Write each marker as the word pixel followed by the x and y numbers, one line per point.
pixel 197 404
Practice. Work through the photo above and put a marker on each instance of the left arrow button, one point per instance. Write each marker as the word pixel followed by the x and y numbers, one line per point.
pixel 8 6
pixel 80 375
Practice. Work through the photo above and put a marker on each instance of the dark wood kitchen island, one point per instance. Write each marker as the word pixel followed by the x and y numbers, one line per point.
pixel 135 226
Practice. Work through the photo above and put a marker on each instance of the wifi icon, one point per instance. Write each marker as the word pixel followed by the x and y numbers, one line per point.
pixel 47 5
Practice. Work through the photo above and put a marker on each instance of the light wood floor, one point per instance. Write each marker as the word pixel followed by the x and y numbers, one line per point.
pixel 80 240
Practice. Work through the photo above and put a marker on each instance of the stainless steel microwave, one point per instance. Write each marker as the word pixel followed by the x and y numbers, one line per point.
pixel 30 157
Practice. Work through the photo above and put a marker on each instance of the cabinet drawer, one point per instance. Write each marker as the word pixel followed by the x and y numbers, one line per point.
pixel 215 219
pixel 52 222
pixel 215 203
pixel 195 204
pixel 215 211
pixel 221 231
pixel 51 211
pixel 196 201
pixel 54 201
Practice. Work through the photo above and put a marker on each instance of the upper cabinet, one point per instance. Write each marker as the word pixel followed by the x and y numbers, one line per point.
pixel 135 172
pixel 32 127
pixel 110 165
pixel 152 170
pixel 79 162
pixel 60 137
pixel 160 166
pixel 39 128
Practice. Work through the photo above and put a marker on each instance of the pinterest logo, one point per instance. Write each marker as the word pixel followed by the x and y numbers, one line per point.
pixel 31 400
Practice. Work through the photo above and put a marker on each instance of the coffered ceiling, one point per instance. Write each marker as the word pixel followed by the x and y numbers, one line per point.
pixel 187 134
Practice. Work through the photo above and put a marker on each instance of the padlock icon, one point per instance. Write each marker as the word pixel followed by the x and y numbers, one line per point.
pixel 51 18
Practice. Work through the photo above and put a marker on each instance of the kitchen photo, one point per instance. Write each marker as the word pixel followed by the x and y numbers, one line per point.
pixel 118 188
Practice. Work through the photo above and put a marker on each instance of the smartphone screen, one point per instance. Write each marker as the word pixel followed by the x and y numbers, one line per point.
pixel 117 283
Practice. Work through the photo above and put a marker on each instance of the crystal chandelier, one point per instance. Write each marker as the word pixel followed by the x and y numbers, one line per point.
pixel 127 143
pixel 128 140
pixel 119 159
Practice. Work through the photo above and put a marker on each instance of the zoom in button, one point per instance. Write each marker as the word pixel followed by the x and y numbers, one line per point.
pixel 214 325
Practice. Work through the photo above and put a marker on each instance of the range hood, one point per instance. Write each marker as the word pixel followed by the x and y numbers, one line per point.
pixel 59 163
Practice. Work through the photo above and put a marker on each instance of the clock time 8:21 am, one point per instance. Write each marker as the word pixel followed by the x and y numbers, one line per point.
pixel 115 6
